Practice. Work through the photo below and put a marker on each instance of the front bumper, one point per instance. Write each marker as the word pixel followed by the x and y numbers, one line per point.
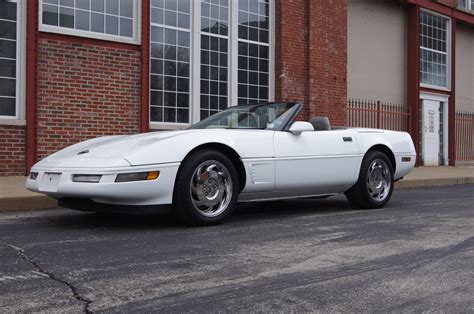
pixel 57 183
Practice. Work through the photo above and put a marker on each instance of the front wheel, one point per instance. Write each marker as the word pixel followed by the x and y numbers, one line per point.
pixel 206 188
pixel 375 184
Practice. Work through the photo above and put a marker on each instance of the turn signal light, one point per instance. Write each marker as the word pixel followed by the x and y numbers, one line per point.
pixel 152 175
pixel 137 176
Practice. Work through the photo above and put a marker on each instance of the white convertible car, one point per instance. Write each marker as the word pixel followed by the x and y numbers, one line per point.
pixel 245 153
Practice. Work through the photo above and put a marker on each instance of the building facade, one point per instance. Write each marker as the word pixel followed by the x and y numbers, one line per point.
pixel 76 69
pixel 418 55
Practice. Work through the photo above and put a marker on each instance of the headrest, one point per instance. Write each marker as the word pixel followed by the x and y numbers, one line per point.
pixel 320 123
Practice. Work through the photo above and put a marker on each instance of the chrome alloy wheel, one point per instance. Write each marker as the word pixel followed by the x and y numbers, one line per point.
pixel 211 188
pixel 379 180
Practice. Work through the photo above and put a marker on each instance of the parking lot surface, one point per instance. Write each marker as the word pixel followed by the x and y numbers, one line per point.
pixel 303 255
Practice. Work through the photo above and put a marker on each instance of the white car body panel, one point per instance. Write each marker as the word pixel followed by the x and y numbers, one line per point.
pixel 277 164
pixel 320 160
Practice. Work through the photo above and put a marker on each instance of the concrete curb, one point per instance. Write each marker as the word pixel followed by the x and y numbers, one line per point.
pixel 38 202
pixel 25 203
pixel 414 183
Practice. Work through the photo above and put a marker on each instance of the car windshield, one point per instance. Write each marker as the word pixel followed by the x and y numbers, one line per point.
pixel 262 117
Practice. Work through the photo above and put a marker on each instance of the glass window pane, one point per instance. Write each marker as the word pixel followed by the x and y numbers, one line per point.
pixel 126 8
pixel 7 49
pixel 126 27
pixel 111 25
pixel 8 10
pixel 184 6
pixel 67 3
pixel 50 17
pixel 112 7
pixel 183 39
pixel 7 68
pixel 82 4
pixel 82 20
pixel 98 6
pixel 66 17
pixel 7 106
pixel 97 22
pixel 7 87
pixel 156 114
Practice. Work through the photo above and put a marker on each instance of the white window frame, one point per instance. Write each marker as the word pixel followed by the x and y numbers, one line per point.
pixel 448 53
pixel 136 39
pixel 469 5
pixel 19 117
pixel 195 62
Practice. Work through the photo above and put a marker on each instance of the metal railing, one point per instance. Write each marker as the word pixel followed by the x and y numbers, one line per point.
pixel 464 136
pixel 377 114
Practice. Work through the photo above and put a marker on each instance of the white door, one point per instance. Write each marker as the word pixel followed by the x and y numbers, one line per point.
pixel 315 162
pixel 430 138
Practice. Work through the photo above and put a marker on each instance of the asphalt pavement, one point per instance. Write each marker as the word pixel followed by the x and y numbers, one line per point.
pixel 417 254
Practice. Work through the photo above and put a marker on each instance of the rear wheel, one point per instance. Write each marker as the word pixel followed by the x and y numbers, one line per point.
pixel 375 184
pixel 206 188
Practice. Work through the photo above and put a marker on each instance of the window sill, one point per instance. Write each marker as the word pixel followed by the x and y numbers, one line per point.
pixel 88 34
pixel 15 122
pixel 434 87
pixel 168 126
pixel 466 10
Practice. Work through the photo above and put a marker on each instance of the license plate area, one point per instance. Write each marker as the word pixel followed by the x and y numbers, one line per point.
pixel 51 181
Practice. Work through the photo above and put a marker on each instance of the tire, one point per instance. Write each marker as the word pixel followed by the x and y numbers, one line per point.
pixel 206 189
pixel 375 184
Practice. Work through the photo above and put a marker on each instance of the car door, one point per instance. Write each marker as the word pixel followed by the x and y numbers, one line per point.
pixel 315 162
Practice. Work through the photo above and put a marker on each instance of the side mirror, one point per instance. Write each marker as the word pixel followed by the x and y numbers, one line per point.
pixel 299 127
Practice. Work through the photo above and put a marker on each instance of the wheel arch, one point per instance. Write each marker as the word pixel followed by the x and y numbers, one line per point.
pixel 387 151
pixel 228 152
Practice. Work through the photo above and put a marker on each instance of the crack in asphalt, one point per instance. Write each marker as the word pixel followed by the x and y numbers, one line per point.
pixel 21 254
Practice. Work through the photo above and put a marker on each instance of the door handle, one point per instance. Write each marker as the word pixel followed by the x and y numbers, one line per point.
pixel 347 139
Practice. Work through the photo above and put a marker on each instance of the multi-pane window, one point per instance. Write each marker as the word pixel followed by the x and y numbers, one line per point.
pixel 8 58
pixel 108 19
pixel 170 61
pixel 434 48
pixel 223 48
pixel 466 4
pixel 214 56
pixel 253 60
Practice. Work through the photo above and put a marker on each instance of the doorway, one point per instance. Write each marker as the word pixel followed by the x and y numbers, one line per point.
pixel 434 130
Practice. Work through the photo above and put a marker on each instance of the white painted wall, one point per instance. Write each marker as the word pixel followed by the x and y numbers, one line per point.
pixel 464 68
pixel 377 44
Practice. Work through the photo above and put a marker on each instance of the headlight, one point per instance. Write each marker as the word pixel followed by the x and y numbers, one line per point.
pixel 87 178
pixel 137 176
pixel 33 175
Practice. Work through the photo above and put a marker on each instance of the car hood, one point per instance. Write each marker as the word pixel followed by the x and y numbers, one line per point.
pixel 109 151
pixel 158 147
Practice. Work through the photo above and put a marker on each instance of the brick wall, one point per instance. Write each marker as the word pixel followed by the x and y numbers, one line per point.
pixel 328 59
pixel 84 90
pixel 12 150
pixel 311 56
pixel 291 52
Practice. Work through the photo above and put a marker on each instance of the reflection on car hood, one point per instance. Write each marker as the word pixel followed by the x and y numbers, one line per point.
pixel 113 146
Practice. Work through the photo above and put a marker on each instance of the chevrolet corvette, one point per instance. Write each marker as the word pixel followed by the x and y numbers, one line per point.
pixel 246 153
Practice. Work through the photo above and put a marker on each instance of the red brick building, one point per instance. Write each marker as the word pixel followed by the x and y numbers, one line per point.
pixel 72 70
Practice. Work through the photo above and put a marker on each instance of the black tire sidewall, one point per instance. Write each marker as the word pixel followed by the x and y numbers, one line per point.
pixel 368 159
pixel 182 203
